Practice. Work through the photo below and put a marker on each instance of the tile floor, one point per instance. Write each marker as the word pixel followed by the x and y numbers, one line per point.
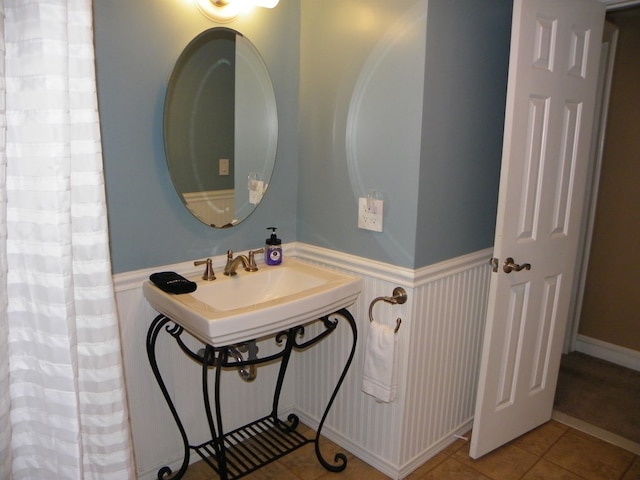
pixel 553 451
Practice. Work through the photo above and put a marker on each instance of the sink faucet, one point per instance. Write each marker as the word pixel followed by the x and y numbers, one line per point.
pixel 232 263
pixel 249 263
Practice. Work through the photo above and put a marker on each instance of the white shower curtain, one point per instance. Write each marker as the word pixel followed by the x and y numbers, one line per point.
pixel 63 410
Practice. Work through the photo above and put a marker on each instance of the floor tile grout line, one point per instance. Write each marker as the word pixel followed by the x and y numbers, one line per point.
pixel 451 455
pixel 470 466
pixel 553 444
pixel 531 468
pixel 567 432
pixel 435 465
pixel 543 456
pixel 539 457
pixel 628 469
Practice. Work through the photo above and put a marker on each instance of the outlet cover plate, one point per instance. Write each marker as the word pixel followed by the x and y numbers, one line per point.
pixel 370 213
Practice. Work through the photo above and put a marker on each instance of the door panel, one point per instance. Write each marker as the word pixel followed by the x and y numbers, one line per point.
pixel 550 101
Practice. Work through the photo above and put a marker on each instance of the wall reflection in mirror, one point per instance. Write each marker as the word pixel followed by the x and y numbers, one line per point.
pixel 220 127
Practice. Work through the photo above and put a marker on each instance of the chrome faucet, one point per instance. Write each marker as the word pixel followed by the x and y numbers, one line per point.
pixel 249 263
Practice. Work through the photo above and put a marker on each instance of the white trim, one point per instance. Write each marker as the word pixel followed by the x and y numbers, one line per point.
pixel 393 273
pixel 606 351
pixel 360 265
pixel 615 4
pixel 433 450
pixel 610 352
pixel 597 432
pixel 379 463
pixel 339 439
pixel 453 266
pixel 209 195
pixel 607 59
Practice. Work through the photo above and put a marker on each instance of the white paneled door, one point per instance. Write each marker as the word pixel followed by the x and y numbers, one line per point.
pixel 555 47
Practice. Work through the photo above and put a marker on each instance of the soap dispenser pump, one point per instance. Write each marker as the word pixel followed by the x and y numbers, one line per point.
pixel 273 250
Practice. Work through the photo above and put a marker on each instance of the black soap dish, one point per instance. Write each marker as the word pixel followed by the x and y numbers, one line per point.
pixel 172 282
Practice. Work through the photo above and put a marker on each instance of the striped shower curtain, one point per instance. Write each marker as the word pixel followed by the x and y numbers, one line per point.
pixel 63 411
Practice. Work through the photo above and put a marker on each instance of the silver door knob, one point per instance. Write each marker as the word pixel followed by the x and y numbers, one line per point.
pixel 510 266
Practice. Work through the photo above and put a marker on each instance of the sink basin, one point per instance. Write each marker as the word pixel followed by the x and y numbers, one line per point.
pixel 251 305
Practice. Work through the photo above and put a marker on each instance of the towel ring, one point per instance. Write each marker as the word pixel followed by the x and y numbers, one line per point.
pixel 399 297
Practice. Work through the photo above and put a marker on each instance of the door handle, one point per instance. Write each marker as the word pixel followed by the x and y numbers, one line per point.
pixel 509 266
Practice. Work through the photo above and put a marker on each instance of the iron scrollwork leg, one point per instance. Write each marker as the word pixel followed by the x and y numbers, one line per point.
pixel 339 458
pixel 284 363
pixel 157 325
pixel 217 436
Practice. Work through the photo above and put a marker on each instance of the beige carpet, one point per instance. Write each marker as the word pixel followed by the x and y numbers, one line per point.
pixel 600 393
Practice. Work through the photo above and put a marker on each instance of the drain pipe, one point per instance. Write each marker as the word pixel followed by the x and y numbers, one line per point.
pixel 248 373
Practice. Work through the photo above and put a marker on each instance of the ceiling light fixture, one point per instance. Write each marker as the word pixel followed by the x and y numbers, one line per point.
pixel 223 11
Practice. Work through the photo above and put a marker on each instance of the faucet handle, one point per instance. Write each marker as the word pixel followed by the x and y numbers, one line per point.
pixel 208 270
pixel 252 259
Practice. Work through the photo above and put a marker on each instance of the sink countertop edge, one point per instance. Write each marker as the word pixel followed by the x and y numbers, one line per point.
pixel 326 302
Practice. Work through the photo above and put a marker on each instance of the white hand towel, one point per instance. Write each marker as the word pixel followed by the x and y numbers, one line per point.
pixel 378 379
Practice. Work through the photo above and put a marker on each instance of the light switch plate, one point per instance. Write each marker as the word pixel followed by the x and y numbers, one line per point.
pixel 370 213
pixel 223 166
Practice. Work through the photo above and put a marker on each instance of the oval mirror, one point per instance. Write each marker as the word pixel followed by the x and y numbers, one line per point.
pixel 220 127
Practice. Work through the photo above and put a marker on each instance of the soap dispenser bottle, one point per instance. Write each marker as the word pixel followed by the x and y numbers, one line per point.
pixel 273 250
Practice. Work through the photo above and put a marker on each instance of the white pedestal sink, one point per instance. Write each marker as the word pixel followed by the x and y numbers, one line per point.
pixel 251 305
pixel 277 301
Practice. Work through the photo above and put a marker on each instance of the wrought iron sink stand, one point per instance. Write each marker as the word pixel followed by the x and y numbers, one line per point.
pixel 236 454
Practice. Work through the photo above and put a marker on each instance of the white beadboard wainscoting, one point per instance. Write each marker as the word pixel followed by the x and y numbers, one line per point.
pixel 439 347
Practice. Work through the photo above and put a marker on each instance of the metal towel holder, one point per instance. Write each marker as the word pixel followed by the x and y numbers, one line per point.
pixel 399 297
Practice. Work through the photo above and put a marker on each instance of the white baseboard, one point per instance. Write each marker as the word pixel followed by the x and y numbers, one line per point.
pixel 625 357
pixel 433 450
pixel 380 464
pixel 370 459
pixel 597 432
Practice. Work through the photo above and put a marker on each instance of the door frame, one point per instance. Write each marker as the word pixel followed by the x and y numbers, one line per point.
pixel 616 4
pixel 591 197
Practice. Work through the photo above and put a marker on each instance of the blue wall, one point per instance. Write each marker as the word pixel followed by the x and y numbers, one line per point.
pixel 404 97
pixel 361 86
pixel 462 124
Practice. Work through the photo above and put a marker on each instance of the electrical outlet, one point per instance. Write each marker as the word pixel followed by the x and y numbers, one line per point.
pixel 370 214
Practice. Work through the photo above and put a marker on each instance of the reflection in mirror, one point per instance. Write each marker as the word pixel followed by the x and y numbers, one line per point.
pixel 220 127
